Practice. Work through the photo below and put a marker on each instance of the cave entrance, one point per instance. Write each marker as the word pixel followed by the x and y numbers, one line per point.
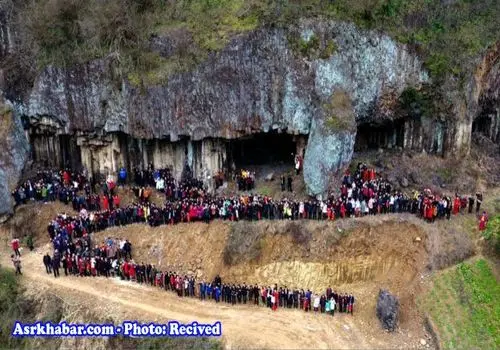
pixel 374 136
pixel 482 125
pixel 70 152
pixel 487 125
pixel 270 148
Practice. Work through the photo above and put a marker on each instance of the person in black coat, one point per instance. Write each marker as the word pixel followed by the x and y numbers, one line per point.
pixel 217 281
pixel 56 264
pixel 47 261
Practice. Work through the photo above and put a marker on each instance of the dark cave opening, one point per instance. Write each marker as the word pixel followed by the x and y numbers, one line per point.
pixel 58 151
pixel 262 149
pixel 370 136
pixel 71 156
pixel 482 125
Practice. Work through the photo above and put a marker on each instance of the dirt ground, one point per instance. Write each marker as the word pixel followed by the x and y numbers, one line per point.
pixel 243 326
pixel 477 172
pixel 397 252
pixel 360 257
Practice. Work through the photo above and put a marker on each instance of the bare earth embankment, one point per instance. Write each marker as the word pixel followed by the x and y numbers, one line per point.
pixel 360 256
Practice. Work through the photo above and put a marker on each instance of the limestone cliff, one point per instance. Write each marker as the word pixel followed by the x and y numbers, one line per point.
pixel 258 83
pixel 485 95
pixel 14 154
pixel 266 80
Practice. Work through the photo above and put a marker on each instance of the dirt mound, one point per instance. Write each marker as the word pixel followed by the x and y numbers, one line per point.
pixel 359 256
pixel 322 254
pixel 32 219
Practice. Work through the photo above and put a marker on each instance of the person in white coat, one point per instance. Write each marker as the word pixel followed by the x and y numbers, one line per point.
pixel 316 302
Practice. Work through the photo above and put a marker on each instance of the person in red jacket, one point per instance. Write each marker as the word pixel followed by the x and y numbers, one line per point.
pixel 172 281
pixel 306 304
pixel 15 246
pixel 483 221
pixel 429 212
pixel 126 270
pixel 131 271
pixel 342 210
pixel 81 267
pixel 105 203
pixel 276 299
pixel 456 205
pixel 87 267
pixel 69 264
pixel 116 201
pixel 66 177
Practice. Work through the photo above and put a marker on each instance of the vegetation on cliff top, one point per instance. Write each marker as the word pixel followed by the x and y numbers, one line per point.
pixel 12 308
pixel 339 115
pixel 64 32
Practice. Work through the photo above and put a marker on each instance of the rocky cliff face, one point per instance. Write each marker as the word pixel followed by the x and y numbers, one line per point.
pixel 485 96
pixel 266 80
pixel 14 155
pixel 259 82
pixel 256 83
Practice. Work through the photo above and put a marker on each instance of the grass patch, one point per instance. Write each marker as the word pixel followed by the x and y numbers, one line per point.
pixel 329 49
pixel 311 47
pixel 13 307
pixel 447 174
pixel 265 190
pixel 164 343
pixel 464 302
pixel 339 114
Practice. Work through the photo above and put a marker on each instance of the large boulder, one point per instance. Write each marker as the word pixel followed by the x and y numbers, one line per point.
pixel 387 310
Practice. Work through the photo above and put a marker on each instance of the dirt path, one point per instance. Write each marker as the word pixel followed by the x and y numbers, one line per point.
pixel 243 326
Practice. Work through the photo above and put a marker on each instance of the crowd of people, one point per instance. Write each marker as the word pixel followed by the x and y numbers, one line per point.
pixel 245 180
pixel 361 193
pixel 113 258
pixel 50 185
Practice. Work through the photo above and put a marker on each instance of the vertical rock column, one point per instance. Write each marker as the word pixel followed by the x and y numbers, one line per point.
pixel 13 157
pixel 330 145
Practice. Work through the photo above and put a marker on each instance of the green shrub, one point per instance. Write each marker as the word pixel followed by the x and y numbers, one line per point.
pixel 329 49
pixel 65 32
pixel 424 102
pixel 339 114
pixel 492 233
pixel 12 308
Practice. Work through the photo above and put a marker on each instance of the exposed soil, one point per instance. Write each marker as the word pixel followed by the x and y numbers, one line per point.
pixel 243 326
pixel 360 256
pixel 478 171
